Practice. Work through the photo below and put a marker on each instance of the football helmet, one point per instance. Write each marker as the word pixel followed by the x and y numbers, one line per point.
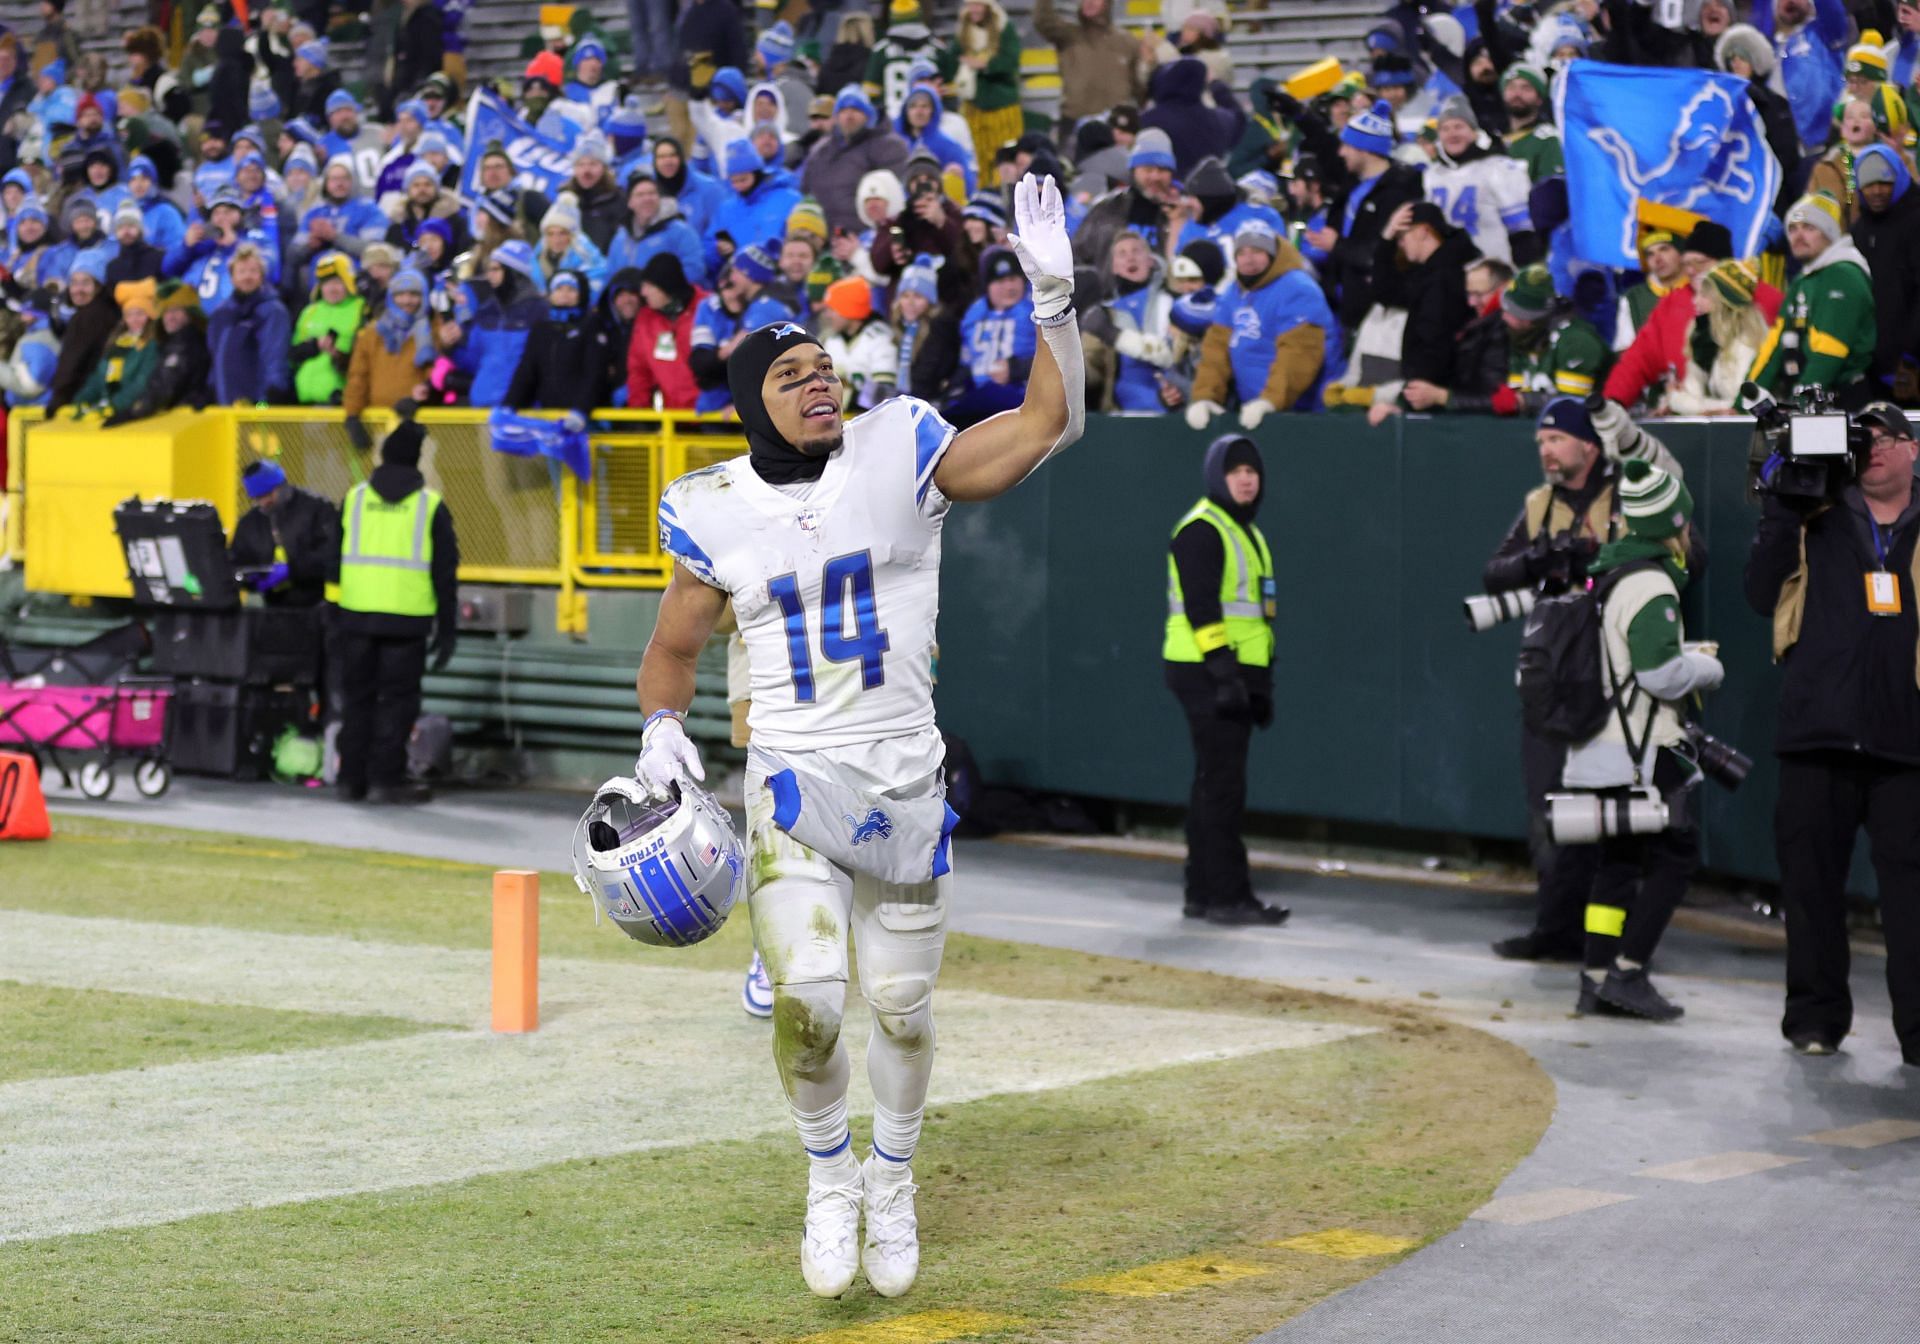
pixel 667 871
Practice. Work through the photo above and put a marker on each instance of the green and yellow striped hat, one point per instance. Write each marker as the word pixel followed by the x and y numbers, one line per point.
pixel 1734 281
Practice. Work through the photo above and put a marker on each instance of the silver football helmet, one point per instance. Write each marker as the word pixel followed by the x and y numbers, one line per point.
pixel 666 871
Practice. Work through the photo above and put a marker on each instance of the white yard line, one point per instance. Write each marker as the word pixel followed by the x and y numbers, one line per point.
pixel 628 1057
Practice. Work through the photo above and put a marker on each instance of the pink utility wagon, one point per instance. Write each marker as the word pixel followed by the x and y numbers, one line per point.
pixel 113 717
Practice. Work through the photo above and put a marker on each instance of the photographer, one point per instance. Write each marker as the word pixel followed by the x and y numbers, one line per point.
pixel 1838 577
pixel 1561 528
pixel 1648 672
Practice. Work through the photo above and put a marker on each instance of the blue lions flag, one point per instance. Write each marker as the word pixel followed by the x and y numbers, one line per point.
pixel 564 440
pixel 1686 138
pixel 540 162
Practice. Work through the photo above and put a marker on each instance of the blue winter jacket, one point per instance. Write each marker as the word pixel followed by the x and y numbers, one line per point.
pixel 699 197
pixel 667 233
pixel 757 217
pixel 203 266
pixel 248 337
pixel 1256 318
pixel 496 338
pixel 583 257
pixel 713 324
pixel 1136 385
pixel 1812 65
pixel 166 226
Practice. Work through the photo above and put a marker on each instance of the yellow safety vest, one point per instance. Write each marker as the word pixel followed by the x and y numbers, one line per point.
pixel 1246 596
pixel 386 563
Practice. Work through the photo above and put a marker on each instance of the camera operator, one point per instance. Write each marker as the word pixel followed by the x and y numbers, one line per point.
pixel 1648 671
pixel 1838 577
pixel 1561 527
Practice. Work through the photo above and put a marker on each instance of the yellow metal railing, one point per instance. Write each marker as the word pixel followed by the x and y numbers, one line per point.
pixel 520 520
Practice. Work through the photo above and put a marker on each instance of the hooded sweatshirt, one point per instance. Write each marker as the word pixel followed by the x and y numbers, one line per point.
pixel 1200 558
pixel 1195 129
pixel 1890 242
pixel 1271 339
pixel 393 483
pixel 1826 326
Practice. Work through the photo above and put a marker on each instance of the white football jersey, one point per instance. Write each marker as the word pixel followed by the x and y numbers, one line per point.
pixel 836 584
pixel 1486 196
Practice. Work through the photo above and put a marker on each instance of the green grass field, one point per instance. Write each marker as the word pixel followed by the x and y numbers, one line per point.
pixel 1399 1132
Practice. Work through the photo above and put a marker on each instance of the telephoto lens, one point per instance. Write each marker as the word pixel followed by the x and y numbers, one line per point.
pixel 1721 762
pixel 1486 610
pixel 1586 818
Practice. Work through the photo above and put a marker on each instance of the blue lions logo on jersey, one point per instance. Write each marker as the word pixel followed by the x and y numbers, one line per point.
pixel 877 826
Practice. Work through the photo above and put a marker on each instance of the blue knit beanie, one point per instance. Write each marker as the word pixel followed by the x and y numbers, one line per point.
pixel 1372 130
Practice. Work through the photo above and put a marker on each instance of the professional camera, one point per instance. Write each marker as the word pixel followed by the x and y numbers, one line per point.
pixel 1586 818
pixel 1809 453
pixel 1486 610
pixel 1721 762
pixel 923 186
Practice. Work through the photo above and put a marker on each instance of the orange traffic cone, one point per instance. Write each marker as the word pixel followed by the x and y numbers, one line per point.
pixel 23 808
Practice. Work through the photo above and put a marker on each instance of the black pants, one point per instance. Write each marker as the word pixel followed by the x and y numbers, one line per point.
pixel 1642 879
pixel 1825 798
pixel 1216 873
pixel 379 699
pixel 1564 874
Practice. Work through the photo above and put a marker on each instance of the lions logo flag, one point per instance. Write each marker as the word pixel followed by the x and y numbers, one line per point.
pixel 540 162
pixel 1685 138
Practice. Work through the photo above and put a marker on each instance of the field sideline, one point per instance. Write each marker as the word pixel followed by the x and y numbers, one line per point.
pixel 254 1100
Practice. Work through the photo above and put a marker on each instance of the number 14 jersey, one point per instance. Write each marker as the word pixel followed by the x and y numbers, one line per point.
pixel 835 582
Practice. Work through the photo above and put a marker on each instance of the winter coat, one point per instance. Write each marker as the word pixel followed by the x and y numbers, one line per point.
pixel 956 281
pixel 709 35
pixel 834 169
pixel 165 225
pixel 1360 214
pixel 1783 137
pixel 583 256
pixel 1434 295
pixel 1711 391
pixel 760 216
pixel 419 47
pixel 997 84
pixel 304 531
pixel 657 358
pixel 496 337
pixel 1099 63
pixel 319 378
pixel 248 339
pixel 1479 362
pixel 404 230
pixel 713 324
pixel 1829 314
pixel 232 71
pixel 867 362
pixel 1659 353
pixel 27 371
pixel 1197 131
pixel 1847 675
pixel 310 97
pixel 377 378
pixel 121 376
pixel 141 261
pixel 1811 65
pixel 563 367
pixel 81 346
pixel 845 63
pixel 1269 340
pixel 991 335
pixel 930 349
pixel 603 210
pixel 356 222
pixel 1127 208
pixel 667 232
pixel 183 375
pixel 1891 244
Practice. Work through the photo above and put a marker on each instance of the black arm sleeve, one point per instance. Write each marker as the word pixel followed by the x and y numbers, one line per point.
pixel 1200 560
pixel 314 557
pixel 252 541
pixel 1775 555
pixel 1507 569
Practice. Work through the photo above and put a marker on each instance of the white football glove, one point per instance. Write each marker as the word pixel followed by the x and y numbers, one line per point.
pixel 1202 411
pixel 1042 245
pixel 667 755
pixel 1254 412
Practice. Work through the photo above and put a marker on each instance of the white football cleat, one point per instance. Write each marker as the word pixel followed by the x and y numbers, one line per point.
pixel 756 995
pixel 830 1246
pixel 891 1251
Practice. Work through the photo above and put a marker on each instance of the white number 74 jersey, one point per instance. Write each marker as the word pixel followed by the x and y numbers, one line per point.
pixel 835 583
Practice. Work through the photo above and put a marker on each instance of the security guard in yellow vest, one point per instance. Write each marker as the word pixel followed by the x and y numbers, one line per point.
pixel 1219 657
pixel 398 560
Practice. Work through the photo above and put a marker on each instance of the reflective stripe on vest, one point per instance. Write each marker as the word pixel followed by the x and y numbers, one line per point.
pixel 386 563
pixel 1246 595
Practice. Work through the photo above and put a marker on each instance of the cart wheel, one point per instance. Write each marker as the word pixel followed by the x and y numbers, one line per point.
pixel 152 778
pixel 96 780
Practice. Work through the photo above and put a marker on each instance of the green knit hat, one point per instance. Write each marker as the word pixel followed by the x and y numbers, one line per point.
pixel 1530 295
pixel 1532 74
pixel 1656 503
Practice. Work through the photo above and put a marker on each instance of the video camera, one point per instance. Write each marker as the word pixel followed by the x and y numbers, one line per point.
pixel 1806 454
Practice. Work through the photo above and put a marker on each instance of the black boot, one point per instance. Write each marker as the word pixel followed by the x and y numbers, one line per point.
pixel 402 794
pixel 1590 1004
pixel 1248 912
pixel 1632 992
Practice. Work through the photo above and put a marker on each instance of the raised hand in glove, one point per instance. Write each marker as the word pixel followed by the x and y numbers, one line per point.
pixel 444 639
pixel 357 434
pixel 667 755
pixel 1042 245
pixel 1261 705
pixel 1254 412
pixel 1202 411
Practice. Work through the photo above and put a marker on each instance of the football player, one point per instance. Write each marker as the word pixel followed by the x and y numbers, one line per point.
pixel 826 537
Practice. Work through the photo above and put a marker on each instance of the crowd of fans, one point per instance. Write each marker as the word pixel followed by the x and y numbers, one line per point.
pixel 252 224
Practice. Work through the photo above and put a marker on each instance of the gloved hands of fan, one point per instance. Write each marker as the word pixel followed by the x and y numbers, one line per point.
pixel 1041 243
pixel 1253 412
pixel 667 755
pixel 272 578
pixel 1202 411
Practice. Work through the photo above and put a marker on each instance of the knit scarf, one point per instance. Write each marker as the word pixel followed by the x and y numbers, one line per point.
pixel 909 334
pixel 395 327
